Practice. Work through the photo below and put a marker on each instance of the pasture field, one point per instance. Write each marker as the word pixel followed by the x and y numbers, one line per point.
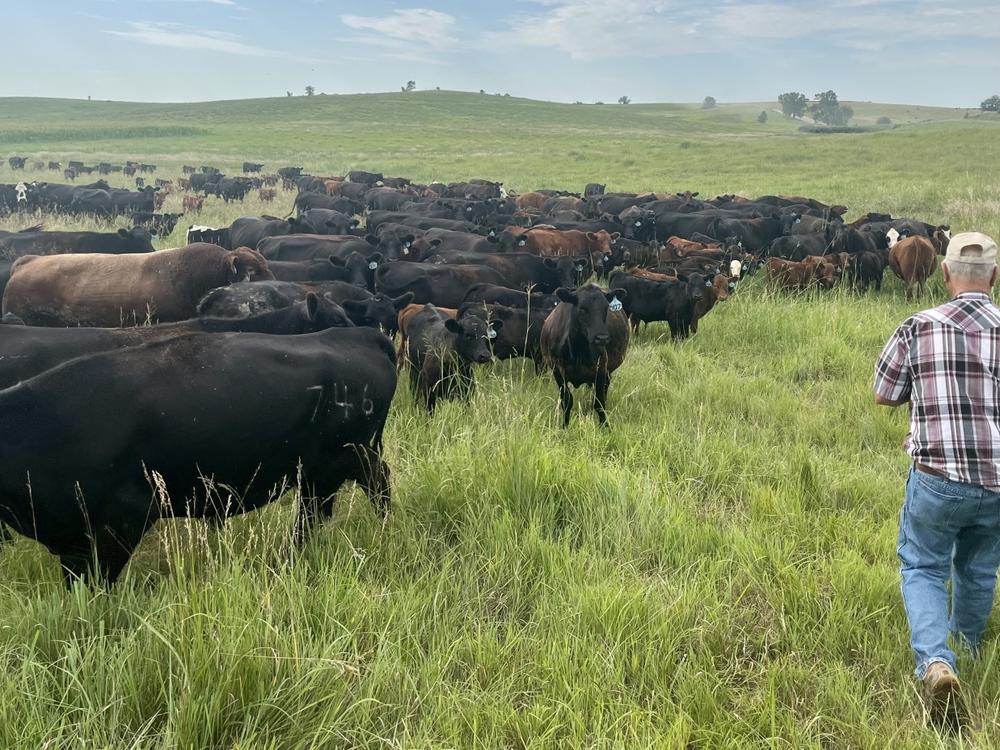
pixel 716 570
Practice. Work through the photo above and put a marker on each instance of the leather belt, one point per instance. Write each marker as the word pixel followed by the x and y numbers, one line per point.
pixel 925 469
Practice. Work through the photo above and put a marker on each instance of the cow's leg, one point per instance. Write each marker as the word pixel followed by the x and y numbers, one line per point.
pixel 601 395
pixel 565 397
pixel 375 478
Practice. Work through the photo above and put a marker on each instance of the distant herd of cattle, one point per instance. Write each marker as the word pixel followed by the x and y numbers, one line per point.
pixel 279 331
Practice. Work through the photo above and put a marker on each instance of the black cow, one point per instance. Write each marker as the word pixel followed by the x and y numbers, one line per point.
pixel 650 300
pixel 249 166
pixel 307 201
pixel 366 178
pixel 442 285
pixel 253 298
pixel 523 270
pixel 310 410
pixel 584 341
pixel 326 221
pixel 134 240
pixel 866 269
pixel 30 350
pixel 233 188
pixel 493 294
pixel 248 231
pixel 159 224
pixel 441 350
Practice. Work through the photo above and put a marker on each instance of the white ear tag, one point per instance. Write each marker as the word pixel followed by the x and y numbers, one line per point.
pixel 638 223
pixel 615 304
pixel 492 334
pixel 406 251
pixel 406 244
pixel 372 266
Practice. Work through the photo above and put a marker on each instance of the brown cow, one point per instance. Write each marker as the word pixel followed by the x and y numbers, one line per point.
pixel 267 195
pixel 94 289
pixel 568 242
pixel 718 292
pixel 531 200
pixel 194 203
pixel 333 186
pixel 913 260
pixel 789 274
pixel 159 198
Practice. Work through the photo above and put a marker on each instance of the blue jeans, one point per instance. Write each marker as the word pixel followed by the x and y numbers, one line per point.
pixel 947 530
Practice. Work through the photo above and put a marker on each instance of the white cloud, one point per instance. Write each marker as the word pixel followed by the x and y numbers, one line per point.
pixel 603 29
pixel 179 36
pixel 405 34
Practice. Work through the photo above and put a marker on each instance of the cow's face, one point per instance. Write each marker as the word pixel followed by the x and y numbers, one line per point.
pixel 248 265
pixel 321 313
pixel 380 311
pixel 472 336
pixel 591 306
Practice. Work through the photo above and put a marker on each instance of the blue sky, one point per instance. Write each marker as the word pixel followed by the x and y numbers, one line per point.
pixel 944 52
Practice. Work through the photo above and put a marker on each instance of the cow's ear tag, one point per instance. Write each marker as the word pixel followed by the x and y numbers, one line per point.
pixel 372 266
pixel 615 304
pixel 492 334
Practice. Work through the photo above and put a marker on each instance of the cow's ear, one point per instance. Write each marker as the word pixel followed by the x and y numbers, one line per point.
pixel 355 222
pixel 591 236
pixel 620 293
pixel 452 325
pixel 337 261
pixel 616 236
pixel 496 325
pixel 233 272
pixel 550 263
pixel 123 232
pixel 682 278
pixel 435 242
pixel 375 258
pixel 371 239
pixel 312 305
pixel 566 295
pixel 402 301
pixel 694 195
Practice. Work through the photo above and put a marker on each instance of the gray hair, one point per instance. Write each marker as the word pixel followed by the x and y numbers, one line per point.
pixel 974 272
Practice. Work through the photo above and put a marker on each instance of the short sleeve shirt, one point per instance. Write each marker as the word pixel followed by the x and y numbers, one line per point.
pixel 946 362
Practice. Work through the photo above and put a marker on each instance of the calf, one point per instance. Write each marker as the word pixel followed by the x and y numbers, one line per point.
pixel 866 269
pixel 584 341
pixel 194 203
pixel 912 259
pixel 267 195
pixel 441 352
pixel 785 274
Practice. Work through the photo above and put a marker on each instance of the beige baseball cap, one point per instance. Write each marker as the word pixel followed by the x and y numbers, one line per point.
pixel 972 247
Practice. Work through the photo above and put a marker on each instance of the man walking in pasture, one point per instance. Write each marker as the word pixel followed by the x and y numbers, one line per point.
pixel 945 362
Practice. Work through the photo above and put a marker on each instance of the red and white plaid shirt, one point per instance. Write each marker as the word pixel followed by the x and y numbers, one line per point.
pixel 946 361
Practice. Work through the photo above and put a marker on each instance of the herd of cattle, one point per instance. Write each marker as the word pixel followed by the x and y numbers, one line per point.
pixel 262 352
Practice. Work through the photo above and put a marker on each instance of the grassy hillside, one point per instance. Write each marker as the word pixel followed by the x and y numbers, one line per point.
pixel 717 570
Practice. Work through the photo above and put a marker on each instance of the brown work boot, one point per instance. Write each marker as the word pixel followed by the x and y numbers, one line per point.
pixel 943 696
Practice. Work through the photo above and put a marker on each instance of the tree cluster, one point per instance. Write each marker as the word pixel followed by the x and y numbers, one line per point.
pixel 991 105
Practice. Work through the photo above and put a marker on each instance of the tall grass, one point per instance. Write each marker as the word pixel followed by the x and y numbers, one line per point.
pixel 716 570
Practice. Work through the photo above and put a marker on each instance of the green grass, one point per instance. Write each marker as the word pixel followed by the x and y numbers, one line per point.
pixel 717 570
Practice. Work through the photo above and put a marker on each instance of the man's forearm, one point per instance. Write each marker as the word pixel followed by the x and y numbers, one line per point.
pixel 882 401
